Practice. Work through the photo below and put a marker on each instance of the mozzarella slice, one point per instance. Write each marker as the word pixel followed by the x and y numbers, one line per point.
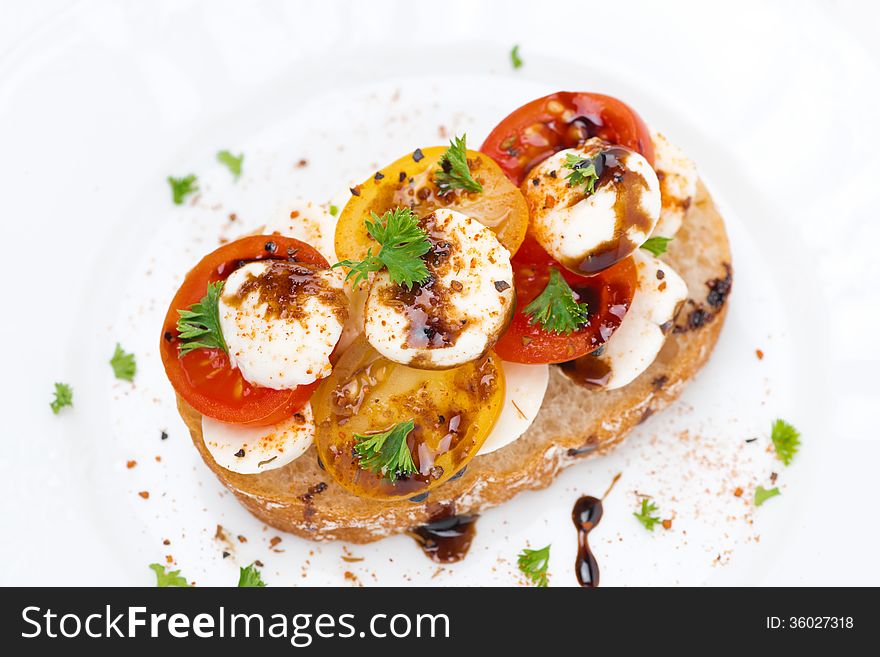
pixel 524 388
pixel 459 313
pixel 637 341
pixel 587 232
pixel 281 320
pixel 678 184
pixel 250 450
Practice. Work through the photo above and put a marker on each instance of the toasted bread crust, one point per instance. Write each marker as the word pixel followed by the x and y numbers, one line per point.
pixel 573 422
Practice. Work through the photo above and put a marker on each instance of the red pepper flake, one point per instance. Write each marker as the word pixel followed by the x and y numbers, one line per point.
pixel 233 216
pixel 418 155
pixel 166 542
pixel 158 459
pixel 169 558
pixel 275 540
pixel 303 163
pixel 773 476
pixel 667 524
pixel 259 563
pixel 145 494
pixel 355 191
pixel 294 214
pixel 549 201
pixel 738 492
pixel 242 539
pixel 759 354
pixel 130 464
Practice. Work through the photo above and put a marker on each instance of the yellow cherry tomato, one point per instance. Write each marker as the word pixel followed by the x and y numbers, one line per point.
pixel 409 182
pixel 452 411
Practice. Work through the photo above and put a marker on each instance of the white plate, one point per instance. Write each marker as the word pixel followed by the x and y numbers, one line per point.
pixel 102 101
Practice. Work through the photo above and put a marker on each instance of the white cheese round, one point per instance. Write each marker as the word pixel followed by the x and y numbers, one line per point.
pixel 250 450
pixel 642 333
pixel 524 388
pixel 590 231
pixel 678 184
pixel 281 321
pixel 459 313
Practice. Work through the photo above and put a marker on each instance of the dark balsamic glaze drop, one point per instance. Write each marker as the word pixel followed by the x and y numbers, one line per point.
pixel 585 515
pixel 448 539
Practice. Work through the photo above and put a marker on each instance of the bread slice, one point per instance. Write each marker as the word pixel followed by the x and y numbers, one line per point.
pixel 573 422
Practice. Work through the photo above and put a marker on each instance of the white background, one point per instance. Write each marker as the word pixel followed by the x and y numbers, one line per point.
pixel 779 102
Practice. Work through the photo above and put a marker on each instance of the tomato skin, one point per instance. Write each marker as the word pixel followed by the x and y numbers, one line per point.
pixel 608 295
pixel 453 412
pixel 547 125
pixel 203 377
pixel 406 182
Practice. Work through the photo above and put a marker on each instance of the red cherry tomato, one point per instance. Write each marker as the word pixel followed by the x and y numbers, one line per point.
pixel 203 377
pixel 608 296
pixel 563 120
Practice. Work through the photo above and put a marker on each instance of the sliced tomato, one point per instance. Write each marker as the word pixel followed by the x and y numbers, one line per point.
pixel 453 411
pixel 563 120
pixel 203 377
pixel 608 296
pixel 409 181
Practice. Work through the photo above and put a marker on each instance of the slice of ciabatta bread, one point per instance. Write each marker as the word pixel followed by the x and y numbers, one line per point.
pixel 573 422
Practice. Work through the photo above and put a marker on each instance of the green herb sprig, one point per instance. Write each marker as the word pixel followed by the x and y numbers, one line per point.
pixel 386 453
pixel 402 243
pixel 556 309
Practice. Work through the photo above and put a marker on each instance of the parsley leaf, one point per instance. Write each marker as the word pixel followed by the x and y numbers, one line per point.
pixel 123 364
pixel 182 187
pixel 250 577
pixel 515 60
pixel 556 308
pixel 387 452
pixel 584 170
pixel 645 515
pixel 454 172
pixel 533 564
pixel 402 244
pixel 762 494
pixel 199 325
pixel 171 578
pixel 786 440
pixel 333 210
pixel 63 397
pixel 656 245
pixel 231 162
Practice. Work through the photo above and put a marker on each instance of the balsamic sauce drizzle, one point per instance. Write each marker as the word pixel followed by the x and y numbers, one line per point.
pixel 448 539
pixel 585 515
